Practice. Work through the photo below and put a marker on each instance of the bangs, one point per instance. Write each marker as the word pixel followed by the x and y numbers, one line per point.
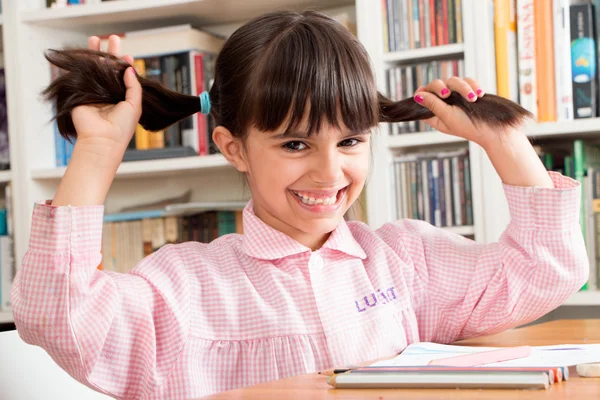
pixel 315 71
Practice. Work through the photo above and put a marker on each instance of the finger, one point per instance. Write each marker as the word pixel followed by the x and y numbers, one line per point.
pixel 133 93
pixel 128 59
pixel 114 45
pixel 435 104
pixel 458 85
pixel 438 87
pixel 94 43
pixel 475 85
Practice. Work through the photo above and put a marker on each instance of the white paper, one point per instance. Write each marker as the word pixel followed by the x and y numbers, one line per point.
pixel 419 354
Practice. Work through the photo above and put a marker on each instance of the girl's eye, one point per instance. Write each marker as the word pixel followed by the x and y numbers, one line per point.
pixel 294 146
pixel 349 142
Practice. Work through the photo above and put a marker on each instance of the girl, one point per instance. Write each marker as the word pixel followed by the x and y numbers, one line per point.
pixel 294 101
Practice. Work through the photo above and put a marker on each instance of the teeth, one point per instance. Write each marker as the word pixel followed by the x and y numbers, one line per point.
pixel 312 201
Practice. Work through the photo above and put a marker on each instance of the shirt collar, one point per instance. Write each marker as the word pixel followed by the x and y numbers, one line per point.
pixel 264 242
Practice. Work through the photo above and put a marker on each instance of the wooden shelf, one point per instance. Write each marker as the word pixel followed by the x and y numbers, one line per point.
pixel 164 167
pixel 141 14
pixel 588 126
pixel 584 298
pixel 5 317
pixel 427 53
pixel 420 139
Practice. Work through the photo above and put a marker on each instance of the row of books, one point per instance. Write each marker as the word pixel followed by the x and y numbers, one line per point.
pixel 189 72
pixel 125 241
pixel 581 162
pixel 4 142
pixel 413 24
pixel 434 187
pixel 402 81
pixel 546 56
pixel 181 58
pixel 68 3
pixel 7 257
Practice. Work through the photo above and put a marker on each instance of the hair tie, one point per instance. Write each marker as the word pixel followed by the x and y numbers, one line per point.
pixel 204 102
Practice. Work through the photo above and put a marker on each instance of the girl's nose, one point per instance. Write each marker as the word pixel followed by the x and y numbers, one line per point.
pixel 327 168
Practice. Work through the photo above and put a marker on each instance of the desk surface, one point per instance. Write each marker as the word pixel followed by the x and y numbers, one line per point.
pixel 314 386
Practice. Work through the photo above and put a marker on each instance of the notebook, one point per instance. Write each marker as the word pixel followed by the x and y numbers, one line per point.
pixel 546 356
pixel 415 368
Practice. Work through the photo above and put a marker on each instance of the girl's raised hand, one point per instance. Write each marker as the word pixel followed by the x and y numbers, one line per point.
pixel 450 119
pixel 112 126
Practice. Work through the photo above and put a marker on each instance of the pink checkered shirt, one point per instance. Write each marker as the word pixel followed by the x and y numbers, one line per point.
pixel 193 319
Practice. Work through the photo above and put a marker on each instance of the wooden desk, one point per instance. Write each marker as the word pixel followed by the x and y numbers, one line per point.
pixel 314 386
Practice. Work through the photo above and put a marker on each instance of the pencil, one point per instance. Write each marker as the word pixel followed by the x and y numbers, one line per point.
pixel 330 372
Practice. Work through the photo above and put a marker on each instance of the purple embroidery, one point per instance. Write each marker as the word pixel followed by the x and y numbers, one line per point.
pixel 385 297
pixel 392 291
pixel 358 307
pixel 374 301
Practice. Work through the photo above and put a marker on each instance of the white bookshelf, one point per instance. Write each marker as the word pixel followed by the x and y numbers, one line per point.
pixel 6 316
pixel 490 210
pixel 585 298
pixel 420 139
pixel 5 176
pixel 138 14
pixel 33 29
pixel 447 50
pixel 150 168
pixel 29 29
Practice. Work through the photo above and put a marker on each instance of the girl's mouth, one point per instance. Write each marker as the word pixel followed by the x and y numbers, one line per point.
pixel 320 203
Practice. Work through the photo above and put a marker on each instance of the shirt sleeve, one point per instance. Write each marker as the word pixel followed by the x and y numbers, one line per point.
pixel 117 333
pixel 461 288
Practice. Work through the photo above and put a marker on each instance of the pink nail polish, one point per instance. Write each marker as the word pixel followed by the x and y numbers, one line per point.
pixel 445 91
pixel 479 91
pixel 418 99
pixel 471 95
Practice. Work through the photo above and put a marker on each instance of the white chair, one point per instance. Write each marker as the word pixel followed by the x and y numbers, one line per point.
pixel 28 373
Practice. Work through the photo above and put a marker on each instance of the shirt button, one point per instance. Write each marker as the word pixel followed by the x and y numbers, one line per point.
pixel 316 260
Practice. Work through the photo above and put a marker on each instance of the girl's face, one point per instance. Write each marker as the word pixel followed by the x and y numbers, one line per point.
pixel 303 186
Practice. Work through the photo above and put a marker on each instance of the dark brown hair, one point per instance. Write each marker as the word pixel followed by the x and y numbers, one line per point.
pixel 266 74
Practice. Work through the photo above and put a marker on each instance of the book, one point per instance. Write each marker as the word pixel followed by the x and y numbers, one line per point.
pixel 445 378
pixel 170 39
pixel 583 59
pixel 421 354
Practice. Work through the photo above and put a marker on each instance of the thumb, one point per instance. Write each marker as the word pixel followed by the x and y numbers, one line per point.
pixel 133 93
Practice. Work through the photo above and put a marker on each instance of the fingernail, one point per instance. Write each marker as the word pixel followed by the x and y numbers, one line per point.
pixel 471 95
pixel 479 91
pixel 418 99
pixel 445 91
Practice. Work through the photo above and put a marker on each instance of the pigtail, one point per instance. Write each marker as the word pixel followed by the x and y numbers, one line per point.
pixel 95 77
pixel 491 109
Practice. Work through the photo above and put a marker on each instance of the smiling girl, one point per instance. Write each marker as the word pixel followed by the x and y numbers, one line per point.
pixel 295 102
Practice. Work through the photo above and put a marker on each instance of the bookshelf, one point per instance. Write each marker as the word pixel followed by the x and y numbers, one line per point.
pixel 490 210
pixel 149 168
pixel 5 317
pixel 32 29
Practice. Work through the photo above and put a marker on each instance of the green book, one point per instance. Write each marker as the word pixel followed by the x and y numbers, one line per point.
pixel 585 156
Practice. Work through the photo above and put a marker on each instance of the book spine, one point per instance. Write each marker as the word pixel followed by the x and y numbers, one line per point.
pixel 526 56
pixel 544 55
pixel 583 59
pixel 506 49
pixel 562 60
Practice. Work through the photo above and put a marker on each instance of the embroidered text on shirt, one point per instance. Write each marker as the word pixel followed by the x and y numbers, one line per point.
pixel 379 295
